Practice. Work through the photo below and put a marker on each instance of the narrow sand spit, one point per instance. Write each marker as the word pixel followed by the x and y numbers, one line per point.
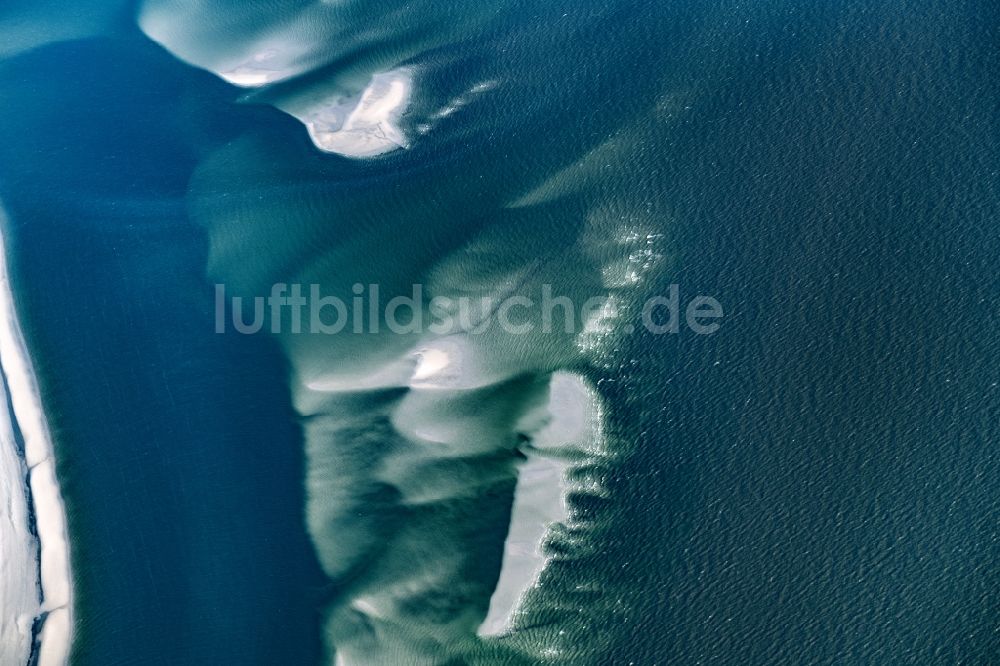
pixel 38 469
pixel 571 427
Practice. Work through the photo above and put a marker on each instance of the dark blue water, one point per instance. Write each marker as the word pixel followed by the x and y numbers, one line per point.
pixel 815 483
pixel 179 453
pixel 819 477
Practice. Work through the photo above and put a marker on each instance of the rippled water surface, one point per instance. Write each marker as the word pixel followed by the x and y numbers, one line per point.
pixel 814 482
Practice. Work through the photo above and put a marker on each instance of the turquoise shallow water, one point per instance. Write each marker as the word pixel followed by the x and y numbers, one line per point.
pixel 814 483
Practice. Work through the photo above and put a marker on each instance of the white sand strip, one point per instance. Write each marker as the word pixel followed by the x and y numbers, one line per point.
pixel 50 512
pixel 19 599
pixel 571 424
pixel 538 504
